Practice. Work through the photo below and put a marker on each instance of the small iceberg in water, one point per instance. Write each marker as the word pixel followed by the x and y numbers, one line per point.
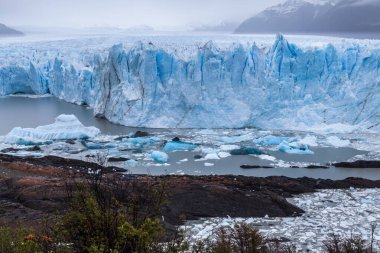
pixel 295 149
pixel 179 146
pixel 65 127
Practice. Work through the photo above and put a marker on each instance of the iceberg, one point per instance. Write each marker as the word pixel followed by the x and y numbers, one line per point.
pixel 295 149
pixel 65 127
pixel 159 156
pixel 179 146
pixel 275 84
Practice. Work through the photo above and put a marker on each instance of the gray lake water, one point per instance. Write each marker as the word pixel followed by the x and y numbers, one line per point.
pixel 32 112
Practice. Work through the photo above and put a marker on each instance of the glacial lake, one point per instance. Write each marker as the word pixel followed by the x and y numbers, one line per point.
pixel 33 112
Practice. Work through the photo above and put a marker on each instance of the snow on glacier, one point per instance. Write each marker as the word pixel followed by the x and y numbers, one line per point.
pixel 65 127
pixel 306 83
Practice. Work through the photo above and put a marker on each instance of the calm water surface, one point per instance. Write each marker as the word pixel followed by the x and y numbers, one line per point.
pixel 33 112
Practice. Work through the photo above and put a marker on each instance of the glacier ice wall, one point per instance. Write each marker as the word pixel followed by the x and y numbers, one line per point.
pixel 283 86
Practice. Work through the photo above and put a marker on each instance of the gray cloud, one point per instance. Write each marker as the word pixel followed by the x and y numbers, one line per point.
pixel 127 13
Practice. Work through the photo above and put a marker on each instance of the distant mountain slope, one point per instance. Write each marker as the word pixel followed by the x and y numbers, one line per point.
pixel 299 16
pixel 7 31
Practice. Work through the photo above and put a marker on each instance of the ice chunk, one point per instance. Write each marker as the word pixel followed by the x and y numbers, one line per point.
pixel 159 156
pixel 246 151
pixel 223 154
pixel 212 157
pixel 267 157
pixel 309 140
pixel 179 146
pixel 229 147
pixel 236 139
pixel 207 132
pixel 337 142
pixel 273 140
pixel 141 142
pixel 66 127
pixel 97 145
pixel 295 149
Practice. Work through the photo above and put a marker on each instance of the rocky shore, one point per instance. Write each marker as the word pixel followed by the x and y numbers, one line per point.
pixel 32 189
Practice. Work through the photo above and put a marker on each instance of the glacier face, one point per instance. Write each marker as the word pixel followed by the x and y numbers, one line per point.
pixel 284 85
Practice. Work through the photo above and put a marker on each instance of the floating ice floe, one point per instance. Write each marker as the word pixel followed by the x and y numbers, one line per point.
pixel 337 142
pixel 179 146
pixel 271 140
pixel 207 132
pixel 267 157
pixel 97 145
pixel 212 156
pixel 159 156
pixel 65 127
pixel 236 139
pixel 229 147
pixel 143 140
pixel 246 151
pixel 295 149
pixel 309 140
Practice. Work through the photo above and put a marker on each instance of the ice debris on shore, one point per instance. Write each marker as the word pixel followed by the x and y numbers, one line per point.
pixel 65 127
pixel 343 212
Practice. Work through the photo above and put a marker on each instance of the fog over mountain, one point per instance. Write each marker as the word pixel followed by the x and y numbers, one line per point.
pixel 7 31
pixel 326 17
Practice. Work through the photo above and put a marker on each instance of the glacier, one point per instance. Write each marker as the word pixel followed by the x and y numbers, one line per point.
pixel 273 85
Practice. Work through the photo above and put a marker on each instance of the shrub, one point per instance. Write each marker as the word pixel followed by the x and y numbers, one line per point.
pixel 241 238
pixel 112 214
pixel 355 244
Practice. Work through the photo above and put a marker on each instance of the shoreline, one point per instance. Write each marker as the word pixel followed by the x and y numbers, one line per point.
pixel 34 188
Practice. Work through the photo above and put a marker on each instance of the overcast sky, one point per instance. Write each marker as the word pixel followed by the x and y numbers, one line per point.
pixel 127 13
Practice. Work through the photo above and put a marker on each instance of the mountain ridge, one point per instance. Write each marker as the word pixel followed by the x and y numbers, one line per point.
pixel 303 17
pixel 7 31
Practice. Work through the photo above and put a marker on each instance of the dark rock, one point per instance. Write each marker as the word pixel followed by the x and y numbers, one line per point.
pixel 255 167
pixel 10 150
pixel 197 157
pixel 120 138
pixel 176 139
pixel 72 142
pixel 312 166
pixel 359 164
pixel 35 148
pixel 118 159
pixel 140 134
